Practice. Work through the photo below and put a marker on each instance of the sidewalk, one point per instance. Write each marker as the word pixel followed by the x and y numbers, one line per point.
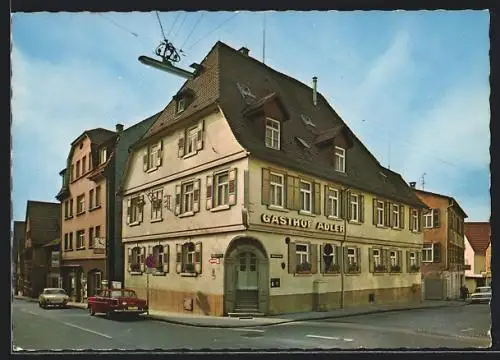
pixel 232 322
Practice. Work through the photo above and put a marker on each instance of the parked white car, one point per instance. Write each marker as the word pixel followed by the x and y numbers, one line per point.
pixel 53 297
pixel 482 295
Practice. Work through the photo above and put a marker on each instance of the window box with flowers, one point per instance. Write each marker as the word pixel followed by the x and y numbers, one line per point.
pixel 414 268
pixel 395 269
pixel 333 268
pixel 304 268
pixel 380 268
pixel 353 268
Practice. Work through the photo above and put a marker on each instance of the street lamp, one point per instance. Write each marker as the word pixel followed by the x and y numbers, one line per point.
pixel 342 268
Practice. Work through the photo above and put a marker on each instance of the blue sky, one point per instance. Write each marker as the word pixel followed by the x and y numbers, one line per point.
pixel 412 85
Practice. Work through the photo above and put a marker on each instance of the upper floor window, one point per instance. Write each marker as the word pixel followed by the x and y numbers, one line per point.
pixel 395 215
pixel 91 199
pixel 66 209
pixel 181 105
pixel 78 169
pixel 98 196
pixel 414 220
pixel 134 209
pixel 354 207
pixel 428 219
pixel 71 203
pixel 103 155
pixel 80 204
pixel 191 140
pixel 80 239
pixel 273 134
pixel 427 253
pixel 222 189
pixel 332 203
pixel 156 204
pixel 276 186
pixel 339 159
pixel 153 155
pixel 91 238
pixel 305 196
pixel 187 197
pixel 84 164
pixel 380 213
pixel 412 259
pixel 72 172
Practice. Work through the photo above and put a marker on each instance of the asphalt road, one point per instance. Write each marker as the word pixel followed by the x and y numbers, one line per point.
pixel 72 329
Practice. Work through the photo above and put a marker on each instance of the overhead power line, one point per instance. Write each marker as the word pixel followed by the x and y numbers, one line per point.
pixel 180 26
pixel 175 21
pixel 192 30
pixel 213 30
pixel 161 26
pixel 116 24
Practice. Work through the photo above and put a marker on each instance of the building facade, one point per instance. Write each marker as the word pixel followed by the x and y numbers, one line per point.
pixel 477 254
pixel 17 255
pixel 42 227
pixel 443 262
pixel 250 194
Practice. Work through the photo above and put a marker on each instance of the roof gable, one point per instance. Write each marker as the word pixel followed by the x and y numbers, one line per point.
pixel 44 220
pixel 478 234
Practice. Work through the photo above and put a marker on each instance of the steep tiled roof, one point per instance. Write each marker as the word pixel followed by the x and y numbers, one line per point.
pixel 450 198
pixel 45 221
pixel 478 234
pixel 225 68
pixel 97 136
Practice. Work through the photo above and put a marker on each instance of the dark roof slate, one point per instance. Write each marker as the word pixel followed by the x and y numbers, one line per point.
pixel 44 220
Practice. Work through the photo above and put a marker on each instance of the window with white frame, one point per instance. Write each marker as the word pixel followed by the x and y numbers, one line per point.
pixel 394 258
pixel 80 204
pixel 427 253
pixel 333 202
pixel 91 238
pixel 354 207
pixel 188 257
pixel 98 196
pixel 191 140
pixel 376 258
pixel 134 209
pixel 414 220
pixel 187 197
pixel 78 169
pixel 305 196
pixel 156 204
pixel 413 259
pixel 273 134
pixel 351 256
pixel 222 189
pixel 276 189
pixel 380 213
pixel 66 209
pixel 339 159
pixel 428 220
pixel 395 215
pixel 102 155
pixel 71 207
pixel 158 257
pixel 181 105
pixel 152 155
pixel 91 199
pixel 80 239
pixel 302 253
pixel 135 260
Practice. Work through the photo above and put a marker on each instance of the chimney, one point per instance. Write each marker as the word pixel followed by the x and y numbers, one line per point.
pixel 119 128
pixel 413 184
pixel 243 50
pixel 315 93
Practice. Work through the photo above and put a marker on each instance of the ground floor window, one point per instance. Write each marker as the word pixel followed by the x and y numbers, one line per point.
pixel 302 257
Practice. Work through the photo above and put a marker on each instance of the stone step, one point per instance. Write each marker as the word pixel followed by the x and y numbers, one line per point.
pixel 246 314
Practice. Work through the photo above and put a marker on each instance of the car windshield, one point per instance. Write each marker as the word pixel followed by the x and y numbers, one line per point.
pixel 54 292
pixel 123 293
pixel 483 290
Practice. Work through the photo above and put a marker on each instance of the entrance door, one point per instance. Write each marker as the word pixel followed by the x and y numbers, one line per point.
pixel 247 271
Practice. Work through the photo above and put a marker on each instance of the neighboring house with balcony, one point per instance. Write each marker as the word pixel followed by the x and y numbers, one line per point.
pixel 477 254
pixel 17 257
pixel 42 226
pixel 250 194
pixel 92 250
pixel 443 253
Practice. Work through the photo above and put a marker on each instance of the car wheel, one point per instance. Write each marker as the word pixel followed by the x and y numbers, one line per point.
pixel 91 311
pixel 40 304
pixel 108 315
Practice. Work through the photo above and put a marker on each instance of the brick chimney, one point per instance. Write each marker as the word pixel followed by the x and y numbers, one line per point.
pixel 413 184
pixel 243 50
pixel 315 90
pixel 119 128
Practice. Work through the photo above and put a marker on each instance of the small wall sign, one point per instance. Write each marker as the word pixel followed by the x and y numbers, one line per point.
pixel 275 282
pixel 214 261
pixel 276 256
pixel 217 256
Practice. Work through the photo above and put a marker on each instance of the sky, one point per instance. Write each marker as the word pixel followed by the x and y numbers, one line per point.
pixel 413 86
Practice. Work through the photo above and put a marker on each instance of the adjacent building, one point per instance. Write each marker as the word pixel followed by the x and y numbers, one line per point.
pixel 42 226
pixel 477 254
pixel 250 194
pixel 443 263
pixel 17 255
pixel 92 250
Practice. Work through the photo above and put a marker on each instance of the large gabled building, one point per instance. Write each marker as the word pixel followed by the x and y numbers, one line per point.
pixel 250 194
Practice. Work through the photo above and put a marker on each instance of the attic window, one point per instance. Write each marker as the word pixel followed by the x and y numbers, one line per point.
pixel 307 120
pixel 102 156
pixel 245 91
pixel 181 105
pixel 302 142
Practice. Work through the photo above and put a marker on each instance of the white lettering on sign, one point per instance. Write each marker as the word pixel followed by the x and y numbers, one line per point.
pixel 300 223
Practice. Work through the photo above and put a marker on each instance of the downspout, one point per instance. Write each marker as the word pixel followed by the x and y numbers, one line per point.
pixel 342 267
pixel 448 233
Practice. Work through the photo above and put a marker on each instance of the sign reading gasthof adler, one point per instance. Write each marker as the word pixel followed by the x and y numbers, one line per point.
pixel 301 223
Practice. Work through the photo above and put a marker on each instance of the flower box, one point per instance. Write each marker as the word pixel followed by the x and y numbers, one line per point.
pixel 333 268
pixel 304 267
pixel 395 269
pixel 380 268
pixel 414 268
pixel 353 268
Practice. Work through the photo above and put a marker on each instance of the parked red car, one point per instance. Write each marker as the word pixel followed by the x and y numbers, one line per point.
pixel 116 301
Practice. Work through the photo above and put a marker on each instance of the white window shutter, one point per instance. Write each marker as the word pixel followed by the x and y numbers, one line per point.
pixel 196 195
pixel 199 137
pixel 159 153
pixel 166 257
pixel 143 258
pixel 180 146
pixel 209 191
pixel 140 209
pixel 129 210
pixel 145 160
pixel 197 257
pixel 129 251
pixel 232 186
pixel 177 200
pixel 178 258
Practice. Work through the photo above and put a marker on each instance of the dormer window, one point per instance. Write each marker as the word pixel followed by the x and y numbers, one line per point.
pixel 339 159
pixel 103 155
pixel 307 120
pixel 181 105
pixel 245 91
pixel 273 133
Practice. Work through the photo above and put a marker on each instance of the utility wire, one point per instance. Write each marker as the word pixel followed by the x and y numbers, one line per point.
pixel 161 26
pixel 180 26
pixel 192 30
pixel 116 24
pixel 216 28
pixel 176 18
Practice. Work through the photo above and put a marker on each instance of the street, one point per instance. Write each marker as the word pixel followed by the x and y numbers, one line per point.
pixel 453 327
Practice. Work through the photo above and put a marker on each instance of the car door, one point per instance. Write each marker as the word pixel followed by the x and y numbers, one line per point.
pixel 100 302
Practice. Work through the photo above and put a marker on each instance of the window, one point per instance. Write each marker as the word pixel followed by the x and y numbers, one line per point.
pixel 66 209
pixel 187 197
pixel 376 258
pixel 98 196
pixel 158 257
pixel 102 155
pixel 70 207
pixel 305 197
pixel 72 173
pixel 395 216
pixel 66 242
pixel 222 189
pixel 84 163
pixel 394 258
pixel 273 134
pixel 156 205
pixel 428 219
pixel 97 281
pixel 351 257
pixel 135 260
pixel 91 238
pixel 78 169
pixel 339 159
pixel 354 207
pixel 277 189
pixel 191 141
pixel 152 155
pixel 302 254
pixel 80 204
pixel 333 202
pixel 80 239
pixel 427 253
pixel 188 258
pixel 90 161
pixel 91 199
pixel 413 259
pixel 329 258
pixel 134 209
pixel 70 241
pixel 98 231
pixel 414 220
pixel 181 105
pixel 380 213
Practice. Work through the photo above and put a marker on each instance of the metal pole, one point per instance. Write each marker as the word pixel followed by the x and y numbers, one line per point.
pixel 147 291
pixel 342 267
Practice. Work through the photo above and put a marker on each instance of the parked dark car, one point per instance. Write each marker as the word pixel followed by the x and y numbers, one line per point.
pixel 117 301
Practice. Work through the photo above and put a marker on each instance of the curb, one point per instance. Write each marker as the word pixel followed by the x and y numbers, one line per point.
pixel 222 326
